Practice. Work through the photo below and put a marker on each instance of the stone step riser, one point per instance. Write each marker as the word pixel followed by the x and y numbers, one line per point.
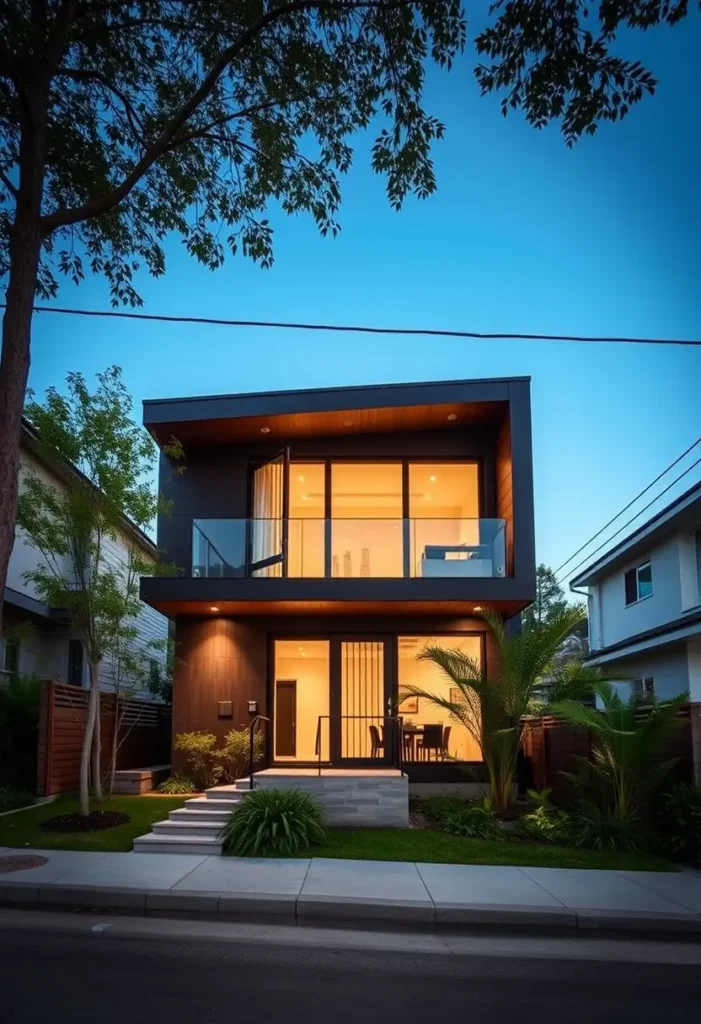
pixel 213 807
pixel 175 844
pixel 200 815
pixel 203 829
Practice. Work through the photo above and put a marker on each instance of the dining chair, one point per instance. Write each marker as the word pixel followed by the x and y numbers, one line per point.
pixel 445 752
pixel 375 742
pixel 431 740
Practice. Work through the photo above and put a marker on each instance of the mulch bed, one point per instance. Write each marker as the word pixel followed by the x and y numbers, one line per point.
pixel 93 822
pixel 21 862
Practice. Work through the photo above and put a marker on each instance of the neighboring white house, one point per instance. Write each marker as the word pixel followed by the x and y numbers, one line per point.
pixel 645 607
pixel 38 640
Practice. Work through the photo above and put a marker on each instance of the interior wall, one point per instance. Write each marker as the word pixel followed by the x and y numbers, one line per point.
pixel 428 676
pixel 307 662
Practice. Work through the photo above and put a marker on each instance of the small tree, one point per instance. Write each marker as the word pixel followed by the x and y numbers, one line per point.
pixel 105 461
pixel 494 700
pixel 550 599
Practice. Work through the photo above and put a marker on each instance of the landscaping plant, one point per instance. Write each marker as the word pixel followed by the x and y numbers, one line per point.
pixel 200 753
pixel 234 755
pixel 274 822
pixel 493 702
pixel 627 743
pixel 178 783
pixel 677 823
pixel 471 821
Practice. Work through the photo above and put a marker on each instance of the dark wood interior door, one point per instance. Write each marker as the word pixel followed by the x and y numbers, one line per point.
pixel 286 718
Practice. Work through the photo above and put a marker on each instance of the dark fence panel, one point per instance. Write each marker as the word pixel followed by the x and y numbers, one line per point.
pixel 144 735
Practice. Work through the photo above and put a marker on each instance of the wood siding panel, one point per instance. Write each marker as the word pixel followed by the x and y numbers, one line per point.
pixel 217 660
pixel 504 490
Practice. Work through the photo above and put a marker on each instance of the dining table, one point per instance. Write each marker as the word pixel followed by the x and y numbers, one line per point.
pixel 414 733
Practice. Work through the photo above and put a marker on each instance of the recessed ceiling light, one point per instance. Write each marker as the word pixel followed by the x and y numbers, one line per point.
pixel 300 478
pixel 348 423
pixel 478 608
pixel 214 608
pixel 266 430
pixel 453 416
pixel 304 497
pixel 433 479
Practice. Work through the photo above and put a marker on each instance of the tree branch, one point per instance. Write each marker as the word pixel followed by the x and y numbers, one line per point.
pixel 80 75
pixel 103 204
pixel 8 184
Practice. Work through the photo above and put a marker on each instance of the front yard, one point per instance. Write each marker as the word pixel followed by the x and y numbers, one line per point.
pixel 24 829
pixel 431 847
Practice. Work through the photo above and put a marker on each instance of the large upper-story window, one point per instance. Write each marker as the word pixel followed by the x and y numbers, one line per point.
pixel 638 583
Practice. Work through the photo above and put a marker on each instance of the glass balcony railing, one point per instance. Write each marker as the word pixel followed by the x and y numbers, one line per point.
pixel 349 548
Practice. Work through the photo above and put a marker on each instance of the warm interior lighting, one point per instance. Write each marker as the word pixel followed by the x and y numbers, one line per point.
pixel 214 608
pixel 300 478
pixel 478 608
pixel 453 416
pixel 433 478
pixel 265 430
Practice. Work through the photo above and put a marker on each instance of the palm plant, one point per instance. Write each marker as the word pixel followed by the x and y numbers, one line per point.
pixel 494 701
pixel 627 741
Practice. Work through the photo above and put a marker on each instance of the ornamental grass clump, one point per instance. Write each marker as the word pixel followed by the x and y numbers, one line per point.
pixel 274 823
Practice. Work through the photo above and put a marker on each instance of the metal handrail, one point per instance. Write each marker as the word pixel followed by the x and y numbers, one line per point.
pixel 397 748
pixel 251 730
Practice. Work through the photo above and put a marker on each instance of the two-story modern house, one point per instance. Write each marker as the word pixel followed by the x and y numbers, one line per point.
pixel 326 536
pixel 645 608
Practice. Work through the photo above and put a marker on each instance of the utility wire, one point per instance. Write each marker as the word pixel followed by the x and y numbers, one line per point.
pixel 632 520
pixel 358 329
pixel 630 503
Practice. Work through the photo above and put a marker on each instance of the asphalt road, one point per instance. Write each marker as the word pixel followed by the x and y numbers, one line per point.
pixel 103 973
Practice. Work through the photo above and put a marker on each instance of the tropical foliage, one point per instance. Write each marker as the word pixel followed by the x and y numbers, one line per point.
pixel 274 822
pixel 493 702
pixel 678 823
pixel 627 743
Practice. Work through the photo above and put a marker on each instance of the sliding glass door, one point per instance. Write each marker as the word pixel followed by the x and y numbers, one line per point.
pixel 269 522
pixel 361 728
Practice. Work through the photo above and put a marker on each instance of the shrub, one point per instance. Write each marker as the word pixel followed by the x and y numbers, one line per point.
pixel 677 823
pixel 471 821
pixel 591 828
pixel 273 822
pixel 544 825
pixel 235 753
pixel 178 783
pixel 201 757
pixel 437 807
pixel 12 799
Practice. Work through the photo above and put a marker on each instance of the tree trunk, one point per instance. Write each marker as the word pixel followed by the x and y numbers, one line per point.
pixel 96 740
pixel 24 250
pixel 115 746
pixel 84 791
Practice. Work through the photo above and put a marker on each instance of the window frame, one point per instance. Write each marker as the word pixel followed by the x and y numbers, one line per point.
pixel 10 644
pixel 643 687
pixel 69 680
pixel 635 569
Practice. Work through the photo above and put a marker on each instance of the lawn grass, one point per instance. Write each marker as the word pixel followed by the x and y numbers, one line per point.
pixel 431 847
pixel 23 829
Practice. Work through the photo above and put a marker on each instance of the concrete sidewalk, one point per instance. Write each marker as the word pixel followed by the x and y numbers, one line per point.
pixel 349 892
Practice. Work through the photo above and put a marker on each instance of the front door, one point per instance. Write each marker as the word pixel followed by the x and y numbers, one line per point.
pixel 362 730
pixel 286 718
pixel 269 517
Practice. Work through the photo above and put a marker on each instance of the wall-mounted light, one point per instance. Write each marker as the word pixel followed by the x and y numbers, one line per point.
pixel 265 430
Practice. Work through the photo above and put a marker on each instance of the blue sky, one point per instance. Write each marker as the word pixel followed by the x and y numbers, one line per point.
pixel 522 235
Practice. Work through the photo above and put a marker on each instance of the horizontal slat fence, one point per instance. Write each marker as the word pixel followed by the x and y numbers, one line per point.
pixel 551 747
pixel 144 729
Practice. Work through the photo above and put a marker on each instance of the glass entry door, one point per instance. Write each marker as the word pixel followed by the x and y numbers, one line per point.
pixel 269 517
pixel 362 728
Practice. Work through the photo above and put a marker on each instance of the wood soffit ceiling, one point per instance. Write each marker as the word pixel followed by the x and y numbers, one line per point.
pixel 334 422
pixel 302 608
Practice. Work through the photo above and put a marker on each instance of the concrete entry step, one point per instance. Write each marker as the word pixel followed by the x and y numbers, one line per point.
pixel 205 829
pixel 201 815
pixel 159 843
pixel 202 805
pixel 234 792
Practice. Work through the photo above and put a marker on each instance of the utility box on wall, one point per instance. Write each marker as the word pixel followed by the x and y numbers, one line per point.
pixel 225 709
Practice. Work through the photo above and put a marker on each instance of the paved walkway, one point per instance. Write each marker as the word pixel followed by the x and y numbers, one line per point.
pixel 350 891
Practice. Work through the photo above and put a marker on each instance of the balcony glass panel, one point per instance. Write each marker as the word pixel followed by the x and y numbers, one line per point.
pixel 349 548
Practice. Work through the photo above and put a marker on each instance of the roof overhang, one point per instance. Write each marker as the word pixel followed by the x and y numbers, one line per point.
pixel 383 408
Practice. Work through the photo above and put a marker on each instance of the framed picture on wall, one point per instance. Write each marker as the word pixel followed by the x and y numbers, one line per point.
pixel 456 695
pixel 409 705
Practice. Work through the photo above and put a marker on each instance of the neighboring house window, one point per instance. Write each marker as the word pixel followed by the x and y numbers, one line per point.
pixel 698 558
pixel 643 688
pixel 9 654
pixel 638 583
pixel 75 662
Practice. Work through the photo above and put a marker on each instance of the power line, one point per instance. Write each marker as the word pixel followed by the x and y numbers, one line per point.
pixel 632 520
pixel 358 329
pixel 630 503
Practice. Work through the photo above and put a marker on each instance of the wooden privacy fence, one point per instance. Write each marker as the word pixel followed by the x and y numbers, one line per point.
pixel 551 747
pixel 144 735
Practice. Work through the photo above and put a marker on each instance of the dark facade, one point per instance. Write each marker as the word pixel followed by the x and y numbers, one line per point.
pixel 419 514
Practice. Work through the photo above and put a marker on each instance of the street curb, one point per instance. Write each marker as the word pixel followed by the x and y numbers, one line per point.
pixel 348 912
